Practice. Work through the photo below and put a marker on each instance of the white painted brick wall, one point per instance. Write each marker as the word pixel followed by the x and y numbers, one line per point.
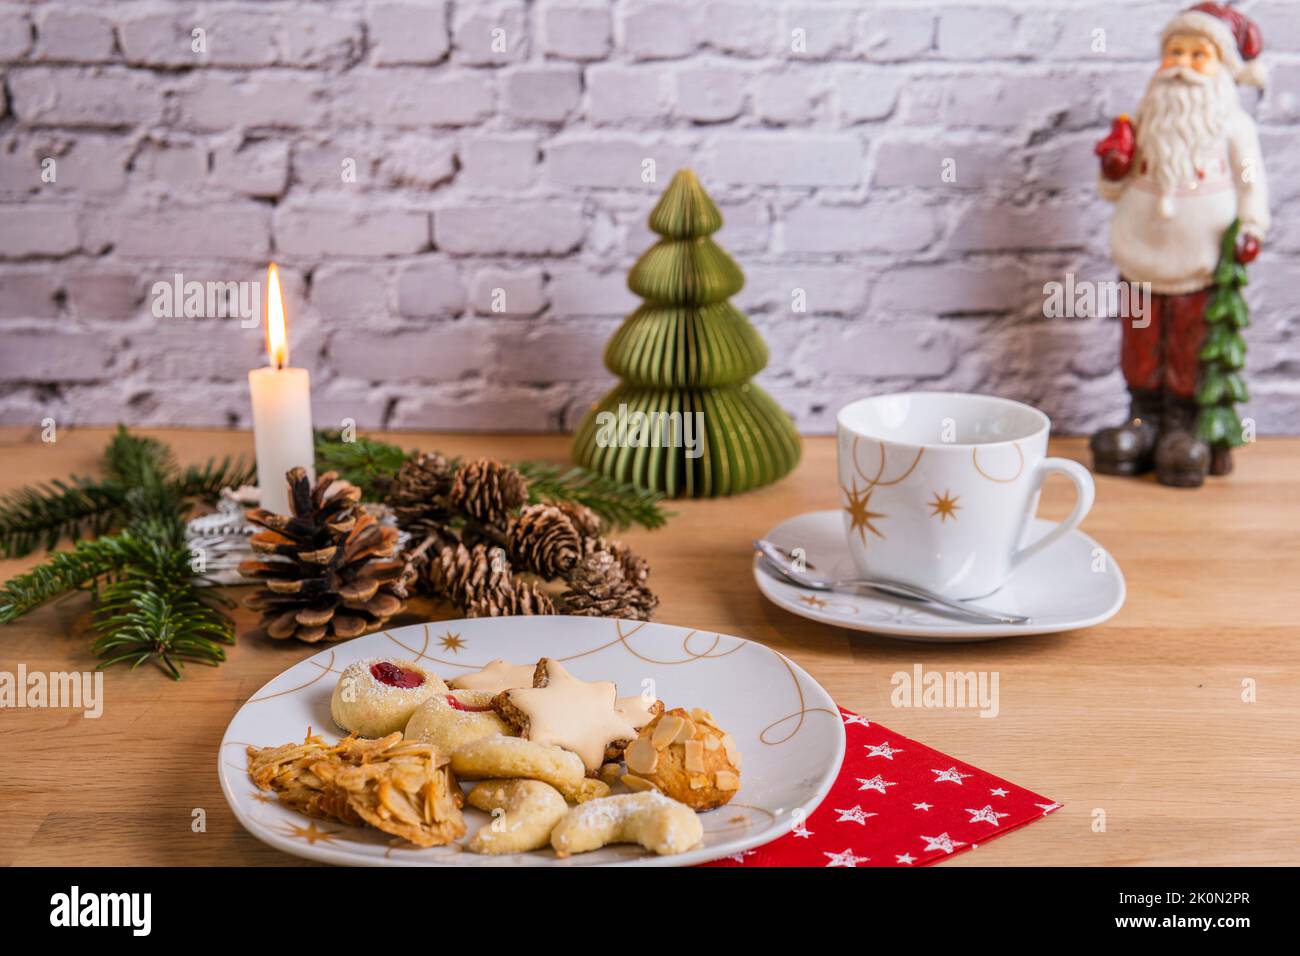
pixel 469 273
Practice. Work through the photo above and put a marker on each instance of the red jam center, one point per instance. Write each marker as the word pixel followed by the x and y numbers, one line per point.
pixel 454 704
pixel 395 676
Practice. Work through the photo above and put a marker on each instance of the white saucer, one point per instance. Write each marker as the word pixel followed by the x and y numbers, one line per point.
pixel 1072 585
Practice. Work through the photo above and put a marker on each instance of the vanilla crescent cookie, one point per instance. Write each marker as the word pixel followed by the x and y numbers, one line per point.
pixel 523 814
pixel 377 696
pixel 494 758
pixel 658 823
pixel 496 676
pixel 458 717
pixel 566 712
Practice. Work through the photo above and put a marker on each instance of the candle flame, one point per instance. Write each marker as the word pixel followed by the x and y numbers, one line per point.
pixel 277 333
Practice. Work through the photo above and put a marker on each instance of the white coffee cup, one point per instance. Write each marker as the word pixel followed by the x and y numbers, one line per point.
pixel 938 489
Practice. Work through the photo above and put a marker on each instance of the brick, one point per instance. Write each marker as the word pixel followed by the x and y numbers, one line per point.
pixel 927 164
pixel 776 160
pixel 257 168
pixel 430 288
pixel 1055 100
pixel 499 161
pixel 51 96
pixel 789 99
pixel 176 166
pixel 609 162
pixel 657 31
pixel 1057 225
pixel 618 93
pixel 29 295
pixel 947 288
pixel 866 94
pixel 979 33
pixel 490 34
pixel 405 33
pixel 95 296
pixel 417 161
pixel 55 356
pixel 318 38
pixel 521 228
pixel 582 292
pixel 739 28
pixel 196 350
pixel 880 226
pixel 38 230
pixel 15 34
pixel 167 38
pixel 215 100
pixel 501 409
pixel 508 292
pixel 746 226
pixel 916 350
pixel 565 353
pixel 354 293
pixel 335 401
pixel 87 163
pixel 401 97
pixel 822 31
pixel 449 351
pixel 232 231
pixel 73 35
pixel 710 95
pixel 895 33
pixel 343 230
pixel 825 289
pixel 576 31
pixel 547 94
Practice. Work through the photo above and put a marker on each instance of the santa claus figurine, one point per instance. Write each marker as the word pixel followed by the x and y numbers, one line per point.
pixel 1187 166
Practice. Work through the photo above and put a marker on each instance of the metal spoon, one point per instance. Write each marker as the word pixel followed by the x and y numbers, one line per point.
pixel 777 562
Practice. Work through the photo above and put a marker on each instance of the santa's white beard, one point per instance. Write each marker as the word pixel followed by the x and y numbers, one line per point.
pixel 1180 125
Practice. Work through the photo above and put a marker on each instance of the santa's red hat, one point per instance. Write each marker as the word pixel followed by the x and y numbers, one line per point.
pixel 1235 34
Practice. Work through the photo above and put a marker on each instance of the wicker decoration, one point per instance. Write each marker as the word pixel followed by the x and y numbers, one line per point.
pixel 688 350
pixel 329 573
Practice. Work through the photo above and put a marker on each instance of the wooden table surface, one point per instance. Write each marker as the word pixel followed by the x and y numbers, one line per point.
pixel 1137 726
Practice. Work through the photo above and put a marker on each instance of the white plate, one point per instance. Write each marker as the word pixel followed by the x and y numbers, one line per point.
pixel 787 728
pixel 1073 584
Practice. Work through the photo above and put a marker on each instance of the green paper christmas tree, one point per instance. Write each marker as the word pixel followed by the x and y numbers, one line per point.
pixel 686 420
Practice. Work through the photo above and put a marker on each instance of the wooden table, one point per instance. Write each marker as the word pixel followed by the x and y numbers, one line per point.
pixel 1137 726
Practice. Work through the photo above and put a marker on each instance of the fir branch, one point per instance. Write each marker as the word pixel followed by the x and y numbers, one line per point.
pixel 365 462
pixel 155 611
pixel 130 460
pixel 62 572
pixel 619 504
pixel 205 482
pixel 44 514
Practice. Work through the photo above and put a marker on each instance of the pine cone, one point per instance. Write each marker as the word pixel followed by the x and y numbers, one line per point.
pixel 522 597
pixel 598 587
pixel 586 521
pixel 463 575
pixel 418 495
pixel 543 540
pixel 488 491
pixel 330 573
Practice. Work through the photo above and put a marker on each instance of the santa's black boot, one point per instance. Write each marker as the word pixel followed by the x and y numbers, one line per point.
pixel 1129 449
pixel 1182 459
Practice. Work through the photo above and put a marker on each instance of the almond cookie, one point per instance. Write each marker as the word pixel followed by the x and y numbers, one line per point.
pixel 377 696
pixel 563 711
pixel 459 717
pixel 659 824
pixel 685 756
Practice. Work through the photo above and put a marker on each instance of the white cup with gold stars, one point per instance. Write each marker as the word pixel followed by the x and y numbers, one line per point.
pixel 938 489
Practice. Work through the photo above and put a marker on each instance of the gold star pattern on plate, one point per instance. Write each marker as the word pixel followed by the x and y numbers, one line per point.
pixel 945 506
pixel 812 600
pixel 451 642
pixel 311 833
pixel 858 506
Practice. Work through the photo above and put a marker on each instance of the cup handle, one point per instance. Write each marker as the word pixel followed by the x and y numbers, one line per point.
pixel 1085 491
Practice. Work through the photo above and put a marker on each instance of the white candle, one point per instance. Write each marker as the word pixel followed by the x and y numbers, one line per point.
pixel 281 408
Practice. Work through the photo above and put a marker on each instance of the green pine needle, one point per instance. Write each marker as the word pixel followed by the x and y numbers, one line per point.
pixel 42 515
pixel 367 463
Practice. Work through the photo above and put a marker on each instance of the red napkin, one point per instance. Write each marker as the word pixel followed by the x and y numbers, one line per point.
pixel 897 802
